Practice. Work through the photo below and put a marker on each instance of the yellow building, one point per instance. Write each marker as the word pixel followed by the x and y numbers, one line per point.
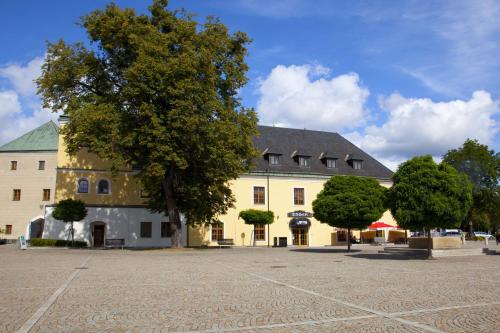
pixel 27 181
pixel 291 171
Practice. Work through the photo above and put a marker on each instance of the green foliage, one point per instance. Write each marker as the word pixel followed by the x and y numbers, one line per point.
pixel 350 202
pixel 70 210
pixel 255 216
pixel 428 195
pixel 158 92
pixel 56 243
pixel 483 168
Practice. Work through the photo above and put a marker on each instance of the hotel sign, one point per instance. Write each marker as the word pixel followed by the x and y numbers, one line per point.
pixel 300 213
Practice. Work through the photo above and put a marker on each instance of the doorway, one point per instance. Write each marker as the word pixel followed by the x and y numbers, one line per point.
pixel 98 235
pixel 300 236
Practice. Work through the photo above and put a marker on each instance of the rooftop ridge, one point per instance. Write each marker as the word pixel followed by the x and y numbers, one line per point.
pixel 42 138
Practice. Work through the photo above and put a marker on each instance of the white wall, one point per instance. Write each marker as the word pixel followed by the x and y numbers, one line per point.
pixel 120 223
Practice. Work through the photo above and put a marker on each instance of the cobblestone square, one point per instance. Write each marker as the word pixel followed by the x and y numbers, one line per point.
pixel 245 290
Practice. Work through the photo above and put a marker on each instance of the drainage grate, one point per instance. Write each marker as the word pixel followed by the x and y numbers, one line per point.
pixel 278 266
pixel 81 268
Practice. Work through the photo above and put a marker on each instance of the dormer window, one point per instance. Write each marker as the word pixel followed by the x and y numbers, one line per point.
pixel 304 161
pixel 274 159
pixel 272 156
pixel 329 160
pixel 331 163
pixel 355 161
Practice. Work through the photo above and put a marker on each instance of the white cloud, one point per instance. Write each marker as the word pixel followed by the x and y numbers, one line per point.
pixel 418 126
pixel 20 115
pixel 22 77
pixel 305 97
pixel 9 103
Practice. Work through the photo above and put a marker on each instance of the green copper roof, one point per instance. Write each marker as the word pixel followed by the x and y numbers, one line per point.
pixel 41 138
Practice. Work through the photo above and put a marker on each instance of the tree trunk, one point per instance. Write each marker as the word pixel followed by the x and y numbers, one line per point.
pixel 429 244
pixel 171 205
pixel 72 235
pixel 348 239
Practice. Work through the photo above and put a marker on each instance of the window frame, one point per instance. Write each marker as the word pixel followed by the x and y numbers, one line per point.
pixel 255 201
pixel 261 229
pixel 275 158
pixel 97 186
pixel 44 196
pixel 13 165
pixel 142 232
pixel 356 163
pixel 344 233
pixel 303 196
pixel 331 160
pixel 78 186
pixel 41 165
pixel 220 231
pixel 14 196
pixel 306 160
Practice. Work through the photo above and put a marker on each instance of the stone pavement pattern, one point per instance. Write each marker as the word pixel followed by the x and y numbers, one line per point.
pixel 246 290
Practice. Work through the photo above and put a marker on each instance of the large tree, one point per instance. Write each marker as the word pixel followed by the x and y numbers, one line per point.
pixel 482 165
pixel 350 202
pixel 158 93
pixel 70 211
pixel 426 195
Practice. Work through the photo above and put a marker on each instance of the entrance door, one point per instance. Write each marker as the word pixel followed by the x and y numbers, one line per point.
pixel 300 236
pixel 98 235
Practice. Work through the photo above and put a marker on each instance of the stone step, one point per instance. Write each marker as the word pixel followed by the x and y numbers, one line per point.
pixel 457 252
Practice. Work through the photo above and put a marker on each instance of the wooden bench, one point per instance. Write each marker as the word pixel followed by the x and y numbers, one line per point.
pixel 115 242
pixel 227 242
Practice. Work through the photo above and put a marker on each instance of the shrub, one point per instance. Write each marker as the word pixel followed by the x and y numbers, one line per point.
pixel 56 243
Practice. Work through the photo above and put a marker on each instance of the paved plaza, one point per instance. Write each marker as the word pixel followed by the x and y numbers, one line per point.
pixel 245 290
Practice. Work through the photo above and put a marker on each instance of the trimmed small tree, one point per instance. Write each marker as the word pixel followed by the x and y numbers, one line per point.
pixel 69 211
pixel 350 202
pixel 255 216
pixel 426 195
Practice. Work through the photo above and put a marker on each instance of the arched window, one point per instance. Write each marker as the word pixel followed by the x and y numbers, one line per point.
pixel 83 186
pixel 217 231
pixel 103 187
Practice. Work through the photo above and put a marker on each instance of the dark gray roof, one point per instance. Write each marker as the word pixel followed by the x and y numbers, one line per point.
pixel 313 143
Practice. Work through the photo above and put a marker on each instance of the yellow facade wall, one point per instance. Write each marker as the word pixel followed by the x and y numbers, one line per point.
pixel 31 181
pixel 281 191
pixel 124 188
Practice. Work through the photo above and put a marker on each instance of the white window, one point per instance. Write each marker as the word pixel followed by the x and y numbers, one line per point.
pixel 103 187
pixel 83 186
pixel 304 161
pixel 331 163
pixel 274 159
pixel 357 165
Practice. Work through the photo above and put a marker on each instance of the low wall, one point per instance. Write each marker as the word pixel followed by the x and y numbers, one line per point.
pixel 437 243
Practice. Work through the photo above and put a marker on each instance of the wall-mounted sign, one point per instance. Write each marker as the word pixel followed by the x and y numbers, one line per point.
pixel 300 213
pixel 300 222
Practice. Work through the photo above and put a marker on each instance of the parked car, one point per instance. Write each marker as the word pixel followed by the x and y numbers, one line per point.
pixel 451 233
pixel 482 234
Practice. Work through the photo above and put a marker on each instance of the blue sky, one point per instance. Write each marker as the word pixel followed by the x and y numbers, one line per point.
pixel 397 78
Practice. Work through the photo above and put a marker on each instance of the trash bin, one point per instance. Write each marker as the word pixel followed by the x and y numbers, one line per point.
pixel 275 242
pixel 282 241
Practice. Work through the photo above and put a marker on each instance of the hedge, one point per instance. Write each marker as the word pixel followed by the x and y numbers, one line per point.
pixel 56 242
pixel 254 216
